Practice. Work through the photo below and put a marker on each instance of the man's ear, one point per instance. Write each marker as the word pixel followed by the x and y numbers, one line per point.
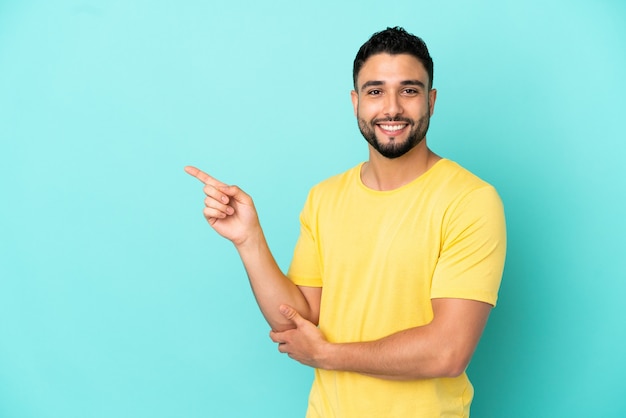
pixel 432 97
pixel 355 101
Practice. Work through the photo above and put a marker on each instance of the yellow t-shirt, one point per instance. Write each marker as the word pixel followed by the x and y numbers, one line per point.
pixel 380 257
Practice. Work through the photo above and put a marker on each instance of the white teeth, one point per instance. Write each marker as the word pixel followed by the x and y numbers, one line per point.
pixel 392 127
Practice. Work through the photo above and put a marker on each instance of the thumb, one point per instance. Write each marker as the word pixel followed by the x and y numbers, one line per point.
pixel 291 314
pixel 236 193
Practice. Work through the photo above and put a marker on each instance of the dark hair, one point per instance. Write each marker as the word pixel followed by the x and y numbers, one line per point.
pixel 393 41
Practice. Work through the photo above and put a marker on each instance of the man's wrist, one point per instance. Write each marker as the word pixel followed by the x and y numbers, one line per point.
pixel 252 241
pixel 329 356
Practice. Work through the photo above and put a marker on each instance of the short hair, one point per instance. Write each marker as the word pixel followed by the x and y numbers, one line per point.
pixel 393 41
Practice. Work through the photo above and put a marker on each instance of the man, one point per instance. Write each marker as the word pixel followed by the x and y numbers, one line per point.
pixel 398 262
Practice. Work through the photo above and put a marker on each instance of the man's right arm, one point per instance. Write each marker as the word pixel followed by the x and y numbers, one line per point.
pixel 270 286
pixel 231 213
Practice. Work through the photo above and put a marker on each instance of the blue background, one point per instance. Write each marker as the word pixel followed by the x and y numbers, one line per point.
pixel 116 298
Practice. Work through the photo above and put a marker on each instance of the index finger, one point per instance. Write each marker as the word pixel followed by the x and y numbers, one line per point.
pixel 203 177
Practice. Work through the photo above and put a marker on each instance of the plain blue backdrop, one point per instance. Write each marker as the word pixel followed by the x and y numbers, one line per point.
pixel 116 298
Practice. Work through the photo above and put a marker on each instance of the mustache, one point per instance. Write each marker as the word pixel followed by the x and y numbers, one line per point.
pixel 411 122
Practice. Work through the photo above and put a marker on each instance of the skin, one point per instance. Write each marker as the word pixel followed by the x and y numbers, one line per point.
pixel 392 93
pixel 231 213
pixel 392 87
pixel 405 115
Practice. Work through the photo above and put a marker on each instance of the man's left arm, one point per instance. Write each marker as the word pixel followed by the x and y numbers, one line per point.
pixel 469 269
pixel 442 348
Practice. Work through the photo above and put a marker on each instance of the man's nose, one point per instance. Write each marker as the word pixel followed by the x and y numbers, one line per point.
pixel 393 106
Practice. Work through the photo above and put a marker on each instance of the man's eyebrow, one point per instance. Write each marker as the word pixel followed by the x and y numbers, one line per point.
pixel 371 83
pixel 413 83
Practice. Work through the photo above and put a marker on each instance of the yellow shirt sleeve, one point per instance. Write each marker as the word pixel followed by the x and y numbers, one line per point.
pixel 305 268
pixel 473 249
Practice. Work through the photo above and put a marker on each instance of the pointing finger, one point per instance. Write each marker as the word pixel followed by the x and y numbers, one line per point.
pixel 203 177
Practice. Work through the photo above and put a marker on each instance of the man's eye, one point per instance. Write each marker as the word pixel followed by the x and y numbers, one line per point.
pixel 374 92
pixel 410 91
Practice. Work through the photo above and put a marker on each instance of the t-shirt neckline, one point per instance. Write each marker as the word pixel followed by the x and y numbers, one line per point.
pixel 422 177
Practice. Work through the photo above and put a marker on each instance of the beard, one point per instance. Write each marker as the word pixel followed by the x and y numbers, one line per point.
pixel 395 149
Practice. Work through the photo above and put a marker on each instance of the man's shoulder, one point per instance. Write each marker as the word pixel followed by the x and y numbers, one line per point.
pixel 457 187
pixel 340 180
pixel 452 174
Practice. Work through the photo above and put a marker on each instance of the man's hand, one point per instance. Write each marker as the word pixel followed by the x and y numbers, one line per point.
pixel 305 343
pixel 228 210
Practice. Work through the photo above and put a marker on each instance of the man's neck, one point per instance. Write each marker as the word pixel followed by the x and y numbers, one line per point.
pixel 381 173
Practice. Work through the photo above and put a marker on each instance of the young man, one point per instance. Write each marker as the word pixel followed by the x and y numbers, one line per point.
pixel 398 262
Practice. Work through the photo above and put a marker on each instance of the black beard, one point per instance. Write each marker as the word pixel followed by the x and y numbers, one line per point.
pixel 394 149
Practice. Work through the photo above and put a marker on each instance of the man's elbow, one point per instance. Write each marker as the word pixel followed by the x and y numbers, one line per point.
pixel 453 363
pixel 455 369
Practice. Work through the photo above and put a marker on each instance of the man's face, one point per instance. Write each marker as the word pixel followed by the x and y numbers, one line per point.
pixel 393 103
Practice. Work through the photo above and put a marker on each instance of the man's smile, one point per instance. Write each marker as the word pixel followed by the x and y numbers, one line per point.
pixel 392 128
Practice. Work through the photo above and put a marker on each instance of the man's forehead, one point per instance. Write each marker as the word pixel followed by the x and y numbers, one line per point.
pixel 385 67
